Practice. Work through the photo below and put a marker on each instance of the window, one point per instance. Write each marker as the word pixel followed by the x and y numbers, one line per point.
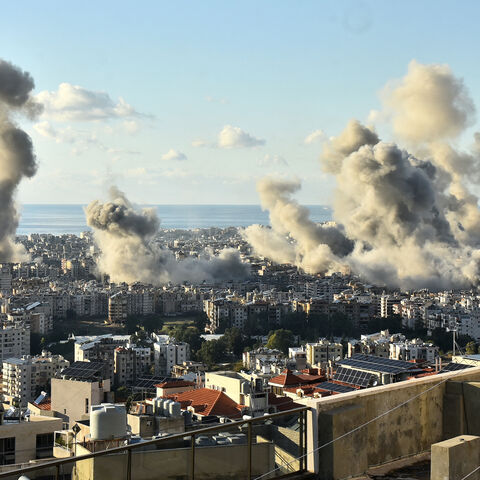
pixel 7 451
pixel 86 405
pixel 45 445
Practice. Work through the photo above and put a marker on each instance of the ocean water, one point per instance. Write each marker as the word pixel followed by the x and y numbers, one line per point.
pixel 59 219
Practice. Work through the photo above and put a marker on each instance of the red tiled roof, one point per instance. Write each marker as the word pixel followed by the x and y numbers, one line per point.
pixel 45 405
pixel 289 379
pixel 307 378
pixel 207 401
pixel 282 404
pixel 306 389
pixel 175 384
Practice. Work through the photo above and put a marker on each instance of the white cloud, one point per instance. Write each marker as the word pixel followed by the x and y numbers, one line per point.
pixel 131 126
pixel 174 155
pixel 75 103
pixel 273 160
pixel 45 129
pixel 235 137
pixel 314 137
pixel 199 143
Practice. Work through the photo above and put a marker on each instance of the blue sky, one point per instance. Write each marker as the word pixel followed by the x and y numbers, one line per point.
pixel 266 73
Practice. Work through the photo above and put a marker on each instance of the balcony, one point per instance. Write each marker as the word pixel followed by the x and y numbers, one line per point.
pixel 263 447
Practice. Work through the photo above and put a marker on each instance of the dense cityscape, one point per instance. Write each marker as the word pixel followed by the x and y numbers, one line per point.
pixel 239 240
pixel 286 334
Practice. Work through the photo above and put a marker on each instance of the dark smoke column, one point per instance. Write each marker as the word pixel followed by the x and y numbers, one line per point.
pixel 17 159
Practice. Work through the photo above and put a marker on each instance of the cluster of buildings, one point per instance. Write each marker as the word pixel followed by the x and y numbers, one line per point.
pixel 51 406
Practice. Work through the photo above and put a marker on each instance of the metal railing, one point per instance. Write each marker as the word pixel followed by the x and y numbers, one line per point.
pixel 299 455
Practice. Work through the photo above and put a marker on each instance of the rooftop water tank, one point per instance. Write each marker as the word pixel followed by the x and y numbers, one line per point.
pixel 166 407
pixel 108 422
pixel 157 405
pixel 174 409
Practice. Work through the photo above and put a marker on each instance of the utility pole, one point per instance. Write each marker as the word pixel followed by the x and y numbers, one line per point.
pixel 453 331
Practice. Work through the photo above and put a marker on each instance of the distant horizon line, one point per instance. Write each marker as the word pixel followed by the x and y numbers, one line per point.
pixel 175 204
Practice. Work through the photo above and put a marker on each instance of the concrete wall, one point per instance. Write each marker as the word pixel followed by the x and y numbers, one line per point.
pixel 230 384
pixel 68 397
pixel 456 458
pixel 149 425
pixel 25 434
pixel 225 462
pixel 405 431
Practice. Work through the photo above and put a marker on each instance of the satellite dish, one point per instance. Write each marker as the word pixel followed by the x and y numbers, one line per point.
pixel 375 383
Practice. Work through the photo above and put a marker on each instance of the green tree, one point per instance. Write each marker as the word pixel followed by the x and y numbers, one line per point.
pixel 131 323
pixel 233 340
pixel 199 321
pixel 190 335
pixel 211 352
pixel 471 348
pixel 121 394
pixel 128 403
pixel 152 323
pixel 238 366
pixel 281 340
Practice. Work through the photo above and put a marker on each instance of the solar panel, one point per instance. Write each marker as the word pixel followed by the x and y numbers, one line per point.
pixel 354 377
pixel 377 364
pixel 148 382
pixel 84 370
pixel 452 367
pixel 334 387
pixel 383 361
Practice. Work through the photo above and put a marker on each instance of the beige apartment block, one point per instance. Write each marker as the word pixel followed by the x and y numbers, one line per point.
pixel 73 399
pixel 27 440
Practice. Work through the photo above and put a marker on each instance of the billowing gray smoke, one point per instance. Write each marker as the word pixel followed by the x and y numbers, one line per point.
pixel 129 253
pixel 403 219
pixel 17 159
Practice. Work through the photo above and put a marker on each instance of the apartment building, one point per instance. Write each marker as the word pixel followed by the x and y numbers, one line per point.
pixel 243 389
pixel 100 348
pixel 169 353
pixel 22 441
pixel 415 349
pixel 123 304
pixel 77 388
pixel 129 362
pixel 323 351
pixel 25 377
pixel 14 340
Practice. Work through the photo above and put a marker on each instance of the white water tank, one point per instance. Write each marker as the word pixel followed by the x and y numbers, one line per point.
pixel 174 409
pixel 108 422
pixel 157 405
pixel 166 407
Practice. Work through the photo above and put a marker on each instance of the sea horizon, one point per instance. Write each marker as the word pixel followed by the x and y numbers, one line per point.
pixel 58 219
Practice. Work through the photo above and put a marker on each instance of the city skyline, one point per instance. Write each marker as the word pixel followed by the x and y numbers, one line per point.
pixel 195 104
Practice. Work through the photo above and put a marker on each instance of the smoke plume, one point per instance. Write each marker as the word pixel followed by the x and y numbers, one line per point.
pixel 17 159
pixel 129 253
pixel 403 218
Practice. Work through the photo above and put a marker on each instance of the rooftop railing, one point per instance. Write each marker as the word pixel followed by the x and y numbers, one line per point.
pixel 263 447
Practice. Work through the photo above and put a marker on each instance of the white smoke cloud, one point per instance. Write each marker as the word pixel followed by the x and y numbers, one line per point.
pixel 402 219
pixel 428 104
pixel 129 253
